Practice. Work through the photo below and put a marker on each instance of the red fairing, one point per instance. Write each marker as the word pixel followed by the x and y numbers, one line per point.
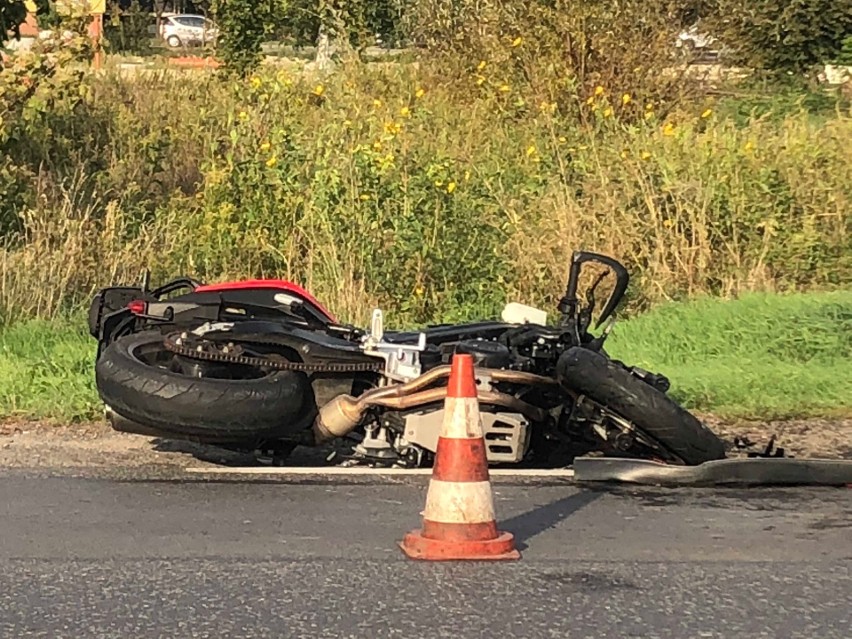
pixel 281 285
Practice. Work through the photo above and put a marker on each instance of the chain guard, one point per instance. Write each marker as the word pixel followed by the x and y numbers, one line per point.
pixel 174 343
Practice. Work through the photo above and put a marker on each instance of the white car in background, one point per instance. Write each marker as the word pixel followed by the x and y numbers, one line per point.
pixel 693 40
pixel 186 29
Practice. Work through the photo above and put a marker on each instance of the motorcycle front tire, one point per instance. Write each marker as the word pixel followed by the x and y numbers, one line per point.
pixel 648 409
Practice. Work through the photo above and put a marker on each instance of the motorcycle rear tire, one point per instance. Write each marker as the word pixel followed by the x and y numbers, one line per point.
pixel 209 410
pixel 648 409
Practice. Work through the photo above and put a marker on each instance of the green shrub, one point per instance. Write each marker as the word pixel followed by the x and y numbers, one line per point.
pixel 391 186
pixel 126 30
pixel 778 35
pixel 845 55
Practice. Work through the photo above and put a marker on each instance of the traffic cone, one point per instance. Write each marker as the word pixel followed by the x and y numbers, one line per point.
pixel 458 521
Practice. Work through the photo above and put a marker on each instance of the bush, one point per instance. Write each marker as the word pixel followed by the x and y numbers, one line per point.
pixel 778 35
pixel 387 185
pixel 12 14
pixel 561 50
pixel 126 30
pixel 244 27
pixel 845 55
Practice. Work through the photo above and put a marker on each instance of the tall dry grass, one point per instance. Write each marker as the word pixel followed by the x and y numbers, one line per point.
pixel 435 199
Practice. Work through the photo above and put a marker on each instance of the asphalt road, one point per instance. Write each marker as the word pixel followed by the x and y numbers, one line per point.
pixel 105 557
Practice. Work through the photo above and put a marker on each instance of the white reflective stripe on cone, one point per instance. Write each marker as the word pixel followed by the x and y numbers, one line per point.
pixel 450 502
pixel 461 418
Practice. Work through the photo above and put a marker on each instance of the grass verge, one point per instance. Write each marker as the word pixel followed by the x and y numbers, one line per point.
pixel 761 356
pixel 47 371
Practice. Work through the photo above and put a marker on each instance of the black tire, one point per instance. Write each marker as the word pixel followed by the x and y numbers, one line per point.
pixel 649 410
pixel 202 409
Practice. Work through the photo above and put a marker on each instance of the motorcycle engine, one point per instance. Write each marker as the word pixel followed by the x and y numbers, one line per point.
pixel 411 437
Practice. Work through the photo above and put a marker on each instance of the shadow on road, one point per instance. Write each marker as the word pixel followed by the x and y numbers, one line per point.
pixel 536 521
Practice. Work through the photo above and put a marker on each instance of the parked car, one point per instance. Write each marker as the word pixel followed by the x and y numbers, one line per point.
pixel 187 29
pixel 693 40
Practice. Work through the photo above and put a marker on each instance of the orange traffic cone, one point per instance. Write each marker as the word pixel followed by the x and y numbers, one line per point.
pixel 458 521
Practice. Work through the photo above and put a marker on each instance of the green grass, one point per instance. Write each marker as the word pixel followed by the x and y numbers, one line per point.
pixel 760 356
pixel 46 371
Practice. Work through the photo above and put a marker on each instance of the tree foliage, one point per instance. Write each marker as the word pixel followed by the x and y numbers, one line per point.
pixel 12 14
pixel 244 26
pixel 361 20
pixel 780 35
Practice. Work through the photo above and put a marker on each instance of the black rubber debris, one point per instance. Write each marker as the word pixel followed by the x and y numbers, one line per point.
pixel 752 472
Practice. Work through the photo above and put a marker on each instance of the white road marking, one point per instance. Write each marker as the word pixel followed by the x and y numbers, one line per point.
pixel 355 471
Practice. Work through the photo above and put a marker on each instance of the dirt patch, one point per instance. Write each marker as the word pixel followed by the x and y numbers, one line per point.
pixel 96 445
pixel 803 438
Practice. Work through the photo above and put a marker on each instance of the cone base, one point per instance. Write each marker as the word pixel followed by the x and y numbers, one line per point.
pixel 416 546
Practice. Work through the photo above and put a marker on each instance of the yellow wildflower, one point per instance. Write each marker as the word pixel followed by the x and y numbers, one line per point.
pixel 451 187
pixel 626 99
pixel 531 150
pixel 669 129
pixel 377 103
pixel 590 101
pixel 364 197
pixel 265 146
pixel 607 112
pixel 707 113
pixel 480 80
pixel 419 291
pixel 481 65
pixel 405 112
pixel 649 115
pixel 562 139
pixel 377 145
pixel 749 146
pixel 668 223
pixel 319 89
pixel 419 93
pixel 624 155
pixel 517 41
pixel 256 82
pixel 392 128
pixel 645 155
pixel 347 123
pixel 243 115
pixel 272 161
pixel 599 90
pixel 649 106
pixel 505 88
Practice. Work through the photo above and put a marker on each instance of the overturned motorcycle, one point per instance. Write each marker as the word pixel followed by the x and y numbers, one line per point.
pixel 260 365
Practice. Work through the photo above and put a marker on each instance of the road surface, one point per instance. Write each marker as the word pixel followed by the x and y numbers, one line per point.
pixel 139 556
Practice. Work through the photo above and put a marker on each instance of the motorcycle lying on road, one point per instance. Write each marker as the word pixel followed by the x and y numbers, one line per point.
pixel 260 365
